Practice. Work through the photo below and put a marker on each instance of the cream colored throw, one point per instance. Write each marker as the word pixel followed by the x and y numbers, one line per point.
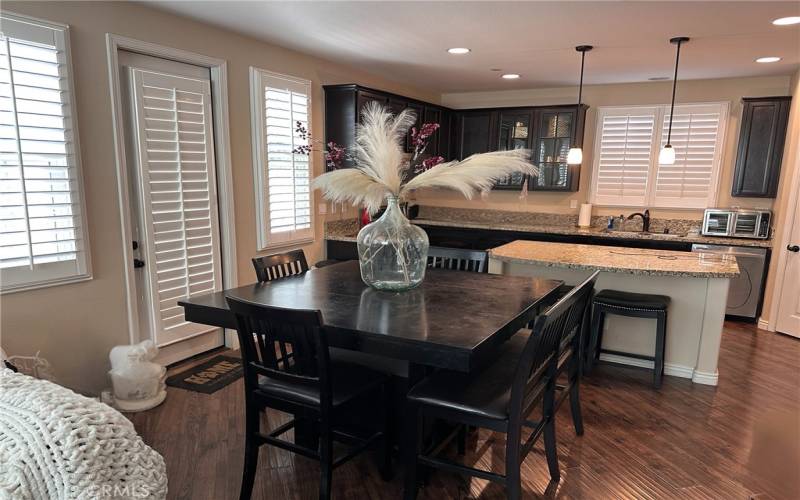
pixel 56 444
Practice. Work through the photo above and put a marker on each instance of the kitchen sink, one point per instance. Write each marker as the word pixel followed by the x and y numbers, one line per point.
pixel 640 234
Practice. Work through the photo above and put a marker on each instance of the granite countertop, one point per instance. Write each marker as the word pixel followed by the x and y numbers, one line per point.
pixel 596 232
pixel 637 261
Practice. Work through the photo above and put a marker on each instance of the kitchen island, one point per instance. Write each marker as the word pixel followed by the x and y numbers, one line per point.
pixel 697 283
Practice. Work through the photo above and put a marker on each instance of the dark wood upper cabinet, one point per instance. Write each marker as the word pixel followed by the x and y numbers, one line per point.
pixel 514 131
pixel 761 140
pixel 345 103
pixel 474 132
pixel 557 129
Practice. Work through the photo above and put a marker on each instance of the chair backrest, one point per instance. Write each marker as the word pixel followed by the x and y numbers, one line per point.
pixel 540 357
pixel 457 259
pixel 282 265
pixel 284 344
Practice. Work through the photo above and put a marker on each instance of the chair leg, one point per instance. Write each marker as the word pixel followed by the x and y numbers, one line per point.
pixel 388 435
pixel 513 463
pixel 410 448
pixel 550 447
pixel 252 424
pixel 661 337
pixel 593 346
pixel 574 396
pixel 325 464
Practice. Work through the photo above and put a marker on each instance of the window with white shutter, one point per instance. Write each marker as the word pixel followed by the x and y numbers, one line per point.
pixel 283 195
pixel 42 224
pixel 626 168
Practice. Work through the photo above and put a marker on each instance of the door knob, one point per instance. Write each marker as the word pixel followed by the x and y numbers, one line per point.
pixel 137 263
pixel 793 248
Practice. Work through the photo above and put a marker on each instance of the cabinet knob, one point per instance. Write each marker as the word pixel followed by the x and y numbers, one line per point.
pixel 793 248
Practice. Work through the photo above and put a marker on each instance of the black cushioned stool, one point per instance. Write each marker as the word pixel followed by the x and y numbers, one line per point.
pixel 637 305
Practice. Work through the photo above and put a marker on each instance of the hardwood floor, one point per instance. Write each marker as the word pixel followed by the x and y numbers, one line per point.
pixel 740 440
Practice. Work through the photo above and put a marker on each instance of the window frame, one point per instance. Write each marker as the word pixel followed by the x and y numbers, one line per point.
pixel 265 241
pixel 657 141
pixel 83 254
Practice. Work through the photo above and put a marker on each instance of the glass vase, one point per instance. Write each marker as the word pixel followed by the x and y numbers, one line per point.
pixel 392 252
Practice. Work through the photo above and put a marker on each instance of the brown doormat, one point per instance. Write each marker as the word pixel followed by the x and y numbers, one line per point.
pixel 210 376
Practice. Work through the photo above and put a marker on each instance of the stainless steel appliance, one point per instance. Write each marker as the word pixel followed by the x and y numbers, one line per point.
pixel 744 293
pixel 737 223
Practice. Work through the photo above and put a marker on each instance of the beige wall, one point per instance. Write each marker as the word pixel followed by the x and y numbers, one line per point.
pixel 731 90
pixel 74 326
pixel 789 172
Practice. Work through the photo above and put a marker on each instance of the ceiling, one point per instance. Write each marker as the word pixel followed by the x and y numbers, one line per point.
pixel 407 41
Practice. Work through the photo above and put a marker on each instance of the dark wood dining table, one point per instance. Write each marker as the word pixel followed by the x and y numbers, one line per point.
pixel 453 320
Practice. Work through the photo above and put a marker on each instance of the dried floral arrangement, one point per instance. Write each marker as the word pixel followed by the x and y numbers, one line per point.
pixel 382 168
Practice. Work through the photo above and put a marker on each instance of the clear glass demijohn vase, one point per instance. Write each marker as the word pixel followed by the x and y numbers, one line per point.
pixel 392 252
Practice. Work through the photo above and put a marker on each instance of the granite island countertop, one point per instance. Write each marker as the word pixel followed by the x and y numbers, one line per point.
pixel 637 261
pixel 348 232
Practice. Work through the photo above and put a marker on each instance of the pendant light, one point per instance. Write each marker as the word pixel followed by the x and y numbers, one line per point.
pixel 667 154
pixel 575 155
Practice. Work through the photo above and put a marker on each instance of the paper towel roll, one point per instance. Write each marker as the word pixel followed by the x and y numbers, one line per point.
pixel 585 216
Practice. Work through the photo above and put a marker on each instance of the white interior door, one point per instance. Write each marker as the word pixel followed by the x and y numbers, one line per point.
pixel 789 305
pixel 174 199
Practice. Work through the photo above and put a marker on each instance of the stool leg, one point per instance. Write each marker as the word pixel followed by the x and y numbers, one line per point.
pixel 593 347
pixel 661 337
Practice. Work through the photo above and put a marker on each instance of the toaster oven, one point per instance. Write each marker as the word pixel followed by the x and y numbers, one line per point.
pixel 737 223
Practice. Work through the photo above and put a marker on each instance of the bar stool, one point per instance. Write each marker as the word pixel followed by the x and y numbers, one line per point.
pixel 636 305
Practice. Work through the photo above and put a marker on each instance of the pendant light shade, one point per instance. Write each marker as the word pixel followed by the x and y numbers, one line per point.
pixel 667 154
pixel 575 155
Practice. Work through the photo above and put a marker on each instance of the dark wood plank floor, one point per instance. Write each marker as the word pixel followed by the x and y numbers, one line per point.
pixel 737 441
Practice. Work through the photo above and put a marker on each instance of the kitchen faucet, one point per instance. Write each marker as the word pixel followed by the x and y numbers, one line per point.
pixel 645 220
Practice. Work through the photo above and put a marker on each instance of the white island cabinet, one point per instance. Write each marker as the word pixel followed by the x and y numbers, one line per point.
pixel 697 283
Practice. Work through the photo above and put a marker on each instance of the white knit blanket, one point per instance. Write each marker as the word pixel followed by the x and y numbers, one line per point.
pixel 56 444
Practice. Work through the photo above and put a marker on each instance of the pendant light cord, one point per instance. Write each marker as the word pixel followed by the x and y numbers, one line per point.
pixel 580 86
pixel 674 85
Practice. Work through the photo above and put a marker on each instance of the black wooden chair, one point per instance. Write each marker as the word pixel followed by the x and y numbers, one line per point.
pixel 457 259
pixel 501 397
pixel 304 382
pixel 632 305
pixel 283 265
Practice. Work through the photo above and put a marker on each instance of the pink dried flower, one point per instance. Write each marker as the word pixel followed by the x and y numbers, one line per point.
pixel 431 162
pixel 418 137
pixel 334 155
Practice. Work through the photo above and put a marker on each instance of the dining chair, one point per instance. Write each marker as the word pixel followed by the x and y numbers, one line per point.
pixel 281 265
pixel 500 397
pixel 457 259
pixel 302 381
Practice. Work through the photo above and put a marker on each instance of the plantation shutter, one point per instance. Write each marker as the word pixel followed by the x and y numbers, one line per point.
pixel 280 104
pixel 42 232
pixel 178 192
pixel 697 140
pixel 623 155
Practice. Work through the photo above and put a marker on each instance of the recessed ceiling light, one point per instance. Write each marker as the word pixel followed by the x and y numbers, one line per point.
pixel 786 21
pixel 511 76
pixel 458 50
pixel 770 59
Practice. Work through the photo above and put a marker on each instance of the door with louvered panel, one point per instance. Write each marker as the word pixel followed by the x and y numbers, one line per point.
pixel 174 193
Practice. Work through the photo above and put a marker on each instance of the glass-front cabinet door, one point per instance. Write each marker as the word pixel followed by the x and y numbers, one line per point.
pixel 555 135
pixel 515 132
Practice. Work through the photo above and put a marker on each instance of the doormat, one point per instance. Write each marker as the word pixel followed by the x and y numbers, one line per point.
pixel 210 376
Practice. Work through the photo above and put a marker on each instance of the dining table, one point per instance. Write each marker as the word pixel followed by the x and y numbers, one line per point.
pixel 453 320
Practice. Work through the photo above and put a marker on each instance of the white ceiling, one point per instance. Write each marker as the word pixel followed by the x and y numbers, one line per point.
pixel 407 41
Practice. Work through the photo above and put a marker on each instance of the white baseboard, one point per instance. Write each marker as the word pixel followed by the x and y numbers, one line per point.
pixel 705 378
pixel 670 369
pixel 764 325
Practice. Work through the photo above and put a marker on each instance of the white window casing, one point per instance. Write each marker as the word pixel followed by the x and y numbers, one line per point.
pixel 284 202
pixel 628 139
pixel 43 231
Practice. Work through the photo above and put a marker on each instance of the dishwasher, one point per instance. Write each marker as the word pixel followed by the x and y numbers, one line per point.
pixel 744 293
